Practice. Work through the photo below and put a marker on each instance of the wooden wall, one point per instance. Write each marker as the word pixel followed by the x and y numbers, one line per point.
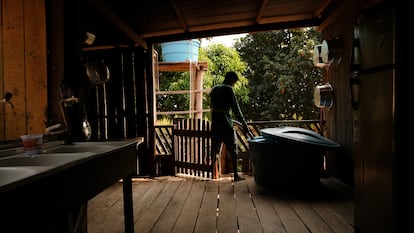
pixel 339 118
pixel 116 109
pixel 23 67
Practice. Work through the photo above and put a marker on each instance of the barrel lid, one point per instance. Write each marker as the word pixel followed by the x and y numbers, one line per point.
pixel 298 135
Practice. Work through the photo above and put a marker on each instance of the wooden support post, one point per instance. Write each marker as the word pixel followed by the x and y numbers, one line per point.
pixel 197 93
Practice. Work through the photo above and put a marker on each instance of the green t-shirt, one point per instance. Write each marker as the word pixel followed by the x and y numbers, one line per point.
pixel 224 105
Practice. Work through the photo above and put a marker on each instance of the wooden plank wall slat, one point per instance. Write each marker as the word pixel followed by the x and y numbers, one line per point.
pixel 2 111
pixel 13 54
pixel 114 108
pixel 23 37
pixel 35 65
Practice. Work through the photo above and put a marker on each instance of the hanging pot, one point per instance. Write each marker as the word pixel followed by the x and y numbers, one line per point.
pixel 86 126
pixel 97 72
pixel 323 95
pixel 86 129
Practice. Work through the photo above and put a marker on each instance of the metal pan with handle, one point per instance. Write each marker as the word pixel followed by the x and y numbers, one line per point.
pixel 97 72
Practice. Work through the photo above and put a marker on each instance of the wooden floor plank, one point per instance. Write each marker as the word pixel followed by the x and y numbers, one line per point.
pixel 103 202
pixel 246 211
pixel 173 210
pixel 227 219
pixel 188 205
pixel 308 216
pixel 142 203
pixel 337 223
pixel 206 221
pixel 269 218
pixel 289 218
pixel 146 222
pixel 338 197
pixel 186 220
pixel 140 187
pixel 105 211
pixel 341 209
pixel 110 221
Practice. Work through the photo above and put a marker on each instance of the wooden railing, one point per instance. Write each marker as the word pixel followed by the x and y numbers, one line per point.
pixel 192 148
pixel 164 149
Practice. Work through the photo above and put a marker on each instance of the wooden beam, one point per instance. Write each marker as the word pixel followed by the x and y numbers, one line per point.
pixel 104 47
pixel 229 26
pixel 182 66
pixel 285 18
pixel 197 96
pixel 182 91
pixel 118 22
pixel 179 15
pixel 334 16
pixel 184 112
pixel 321 8
pixel 263 4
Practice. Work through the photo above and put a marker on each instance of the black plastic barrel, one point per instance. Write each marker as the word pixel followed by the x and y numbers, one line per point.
pixel 288 156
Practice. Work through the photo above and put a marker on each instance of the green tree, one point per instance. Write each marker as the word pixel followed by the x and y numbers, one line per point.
pixel 173 81
pixel 281 74
pixel 220 59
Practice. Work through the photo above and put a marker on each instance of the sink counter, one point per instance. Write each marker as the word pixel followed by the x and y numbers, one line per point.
pixel 41 190
pixel 19 170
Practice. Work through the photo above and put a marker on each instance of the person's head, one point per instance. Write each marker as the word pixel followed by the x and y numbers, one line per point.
pixel 231 78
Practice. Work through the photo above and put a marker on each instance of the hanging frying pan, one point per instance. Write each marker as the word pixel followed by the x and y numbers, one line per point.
pixel 97 72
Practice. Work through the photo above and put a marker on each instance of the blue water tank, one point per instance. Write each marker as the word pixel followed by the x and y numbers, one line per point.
pixel 180 51
pixel 289 157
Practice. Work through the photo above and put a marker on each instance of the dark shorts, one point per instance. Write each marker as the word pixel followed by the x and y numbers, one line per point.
pixel 221 134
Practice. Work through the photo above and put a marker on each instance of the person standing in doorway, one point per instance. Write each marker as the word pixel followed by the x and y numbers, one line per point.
pixel 224 106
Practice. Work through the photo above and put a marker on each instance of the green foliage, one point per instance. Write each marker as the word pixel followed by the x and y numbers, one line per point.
pixel 281 74
pixel 220 60
pixel 277 75
pixel 173 81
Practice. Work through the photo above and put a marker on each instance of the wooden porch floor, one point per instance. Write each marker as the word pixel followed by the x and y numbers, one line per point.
pixel 183 204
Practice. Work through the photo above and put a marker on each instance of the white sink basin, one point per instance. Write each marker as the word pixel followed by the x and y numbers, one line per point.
pixel 19 172
pixel 19 167
pixel 10 175
pixel 78 148
pixel 54 159
pixel 48 185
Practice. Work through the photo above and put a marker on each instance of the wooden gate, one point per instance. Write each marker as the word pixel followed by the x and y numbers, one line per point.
pixel 192 147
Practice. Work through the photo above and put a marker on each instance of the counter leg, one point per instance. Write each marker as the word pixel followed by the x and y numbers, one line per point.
pixel 128 205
